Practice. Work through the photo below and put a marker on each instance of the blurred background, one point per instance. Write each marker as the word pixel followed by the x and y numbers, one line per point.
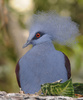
pixel 13 33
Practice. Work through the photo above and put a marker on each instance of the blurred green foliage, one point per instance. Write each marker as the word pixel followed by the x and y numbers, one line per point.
pixel 8 55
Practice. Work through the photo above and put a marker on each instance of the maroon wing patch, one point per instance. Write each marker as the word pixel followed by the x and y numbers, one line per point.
pixel 17 73
pixel 68 66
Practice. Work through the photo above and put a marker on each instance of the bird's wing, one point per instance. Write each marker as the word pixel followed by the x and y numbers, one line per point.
pixel 17 73
pixel 68 66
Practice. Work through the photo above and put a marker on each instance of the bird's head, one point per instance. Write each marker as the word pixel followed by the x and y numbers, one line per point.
pixel 51 26
pixel 37 38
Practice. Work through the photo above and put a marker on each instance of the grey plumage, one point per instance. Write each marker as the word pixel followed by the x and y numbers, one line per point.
pixel 61 29
pixel 43 63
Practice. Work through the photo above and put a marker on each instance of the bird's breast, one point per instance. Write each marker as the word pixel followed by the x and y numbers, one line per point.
pixel 39 67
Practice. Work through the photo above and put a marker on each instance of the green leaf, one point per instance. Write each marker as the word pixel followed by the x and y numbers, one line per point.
pixel 58 89
pixel 78 88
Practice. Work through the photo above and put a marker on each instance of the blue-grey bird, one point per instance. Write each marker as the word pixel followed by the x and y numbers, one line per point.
pixel 43 63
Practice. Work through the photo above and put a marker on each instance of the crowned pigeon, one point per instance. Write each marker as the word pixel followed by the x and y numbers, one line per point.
pixel 43 63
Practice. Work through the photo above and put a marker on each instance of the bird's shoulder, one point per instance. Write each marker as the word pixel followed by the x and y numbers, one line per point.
pixel 63 58
pixel 17 73
pixel 67 65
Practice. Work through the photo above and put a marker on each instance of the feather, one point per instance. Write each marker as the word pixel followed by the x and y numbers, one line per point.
pixel 61 29
pixel 17 73
pixel 68 66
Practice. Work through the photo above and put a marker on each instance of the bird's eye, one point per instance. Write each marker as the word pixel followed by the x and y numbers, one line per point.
pixel 38 35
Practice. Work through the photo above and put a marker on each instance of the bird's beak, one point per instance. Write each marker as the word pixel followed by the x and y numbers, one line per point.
pixel 27 43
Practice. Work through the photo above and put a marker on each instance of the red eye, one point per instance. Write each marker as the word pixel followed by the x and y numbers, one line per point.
pixel 37 35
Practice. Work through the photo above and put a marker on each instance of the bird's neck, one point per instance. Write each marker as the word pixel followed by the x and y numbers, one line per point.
pixel 45 45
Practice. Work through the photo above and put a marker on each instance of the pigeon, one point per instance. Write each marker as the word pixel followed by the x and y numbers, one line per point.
pixel 43 63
